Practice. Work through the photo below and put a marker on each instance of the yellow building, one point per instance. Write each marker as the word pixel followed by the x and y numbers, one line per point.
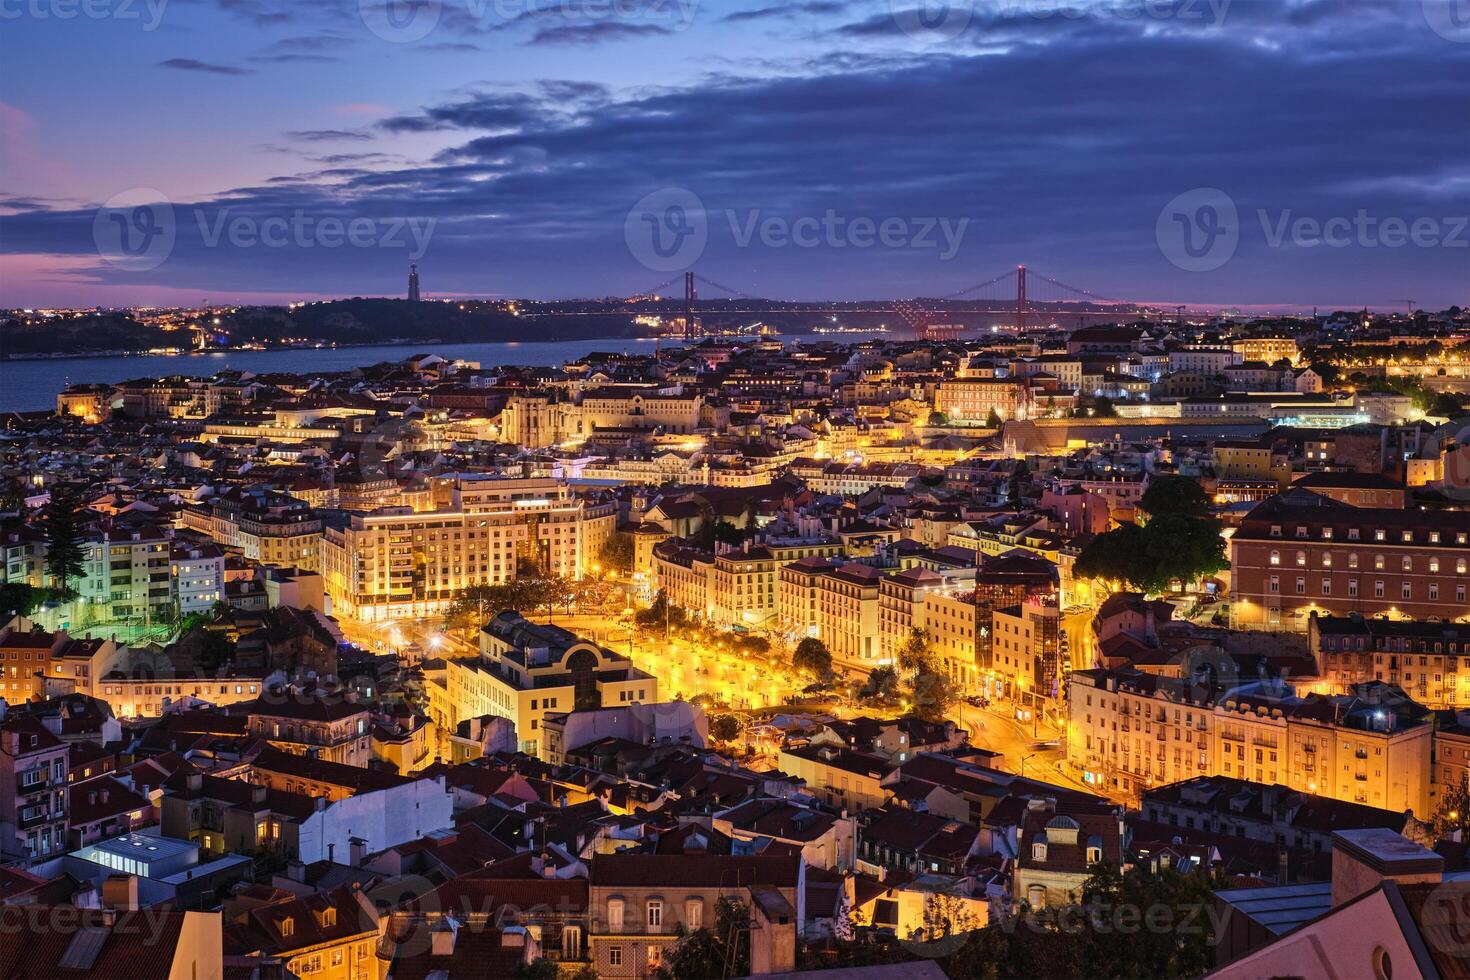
pixel 838 776
pixel 1130 731
pixel 526 669
pixel 398 563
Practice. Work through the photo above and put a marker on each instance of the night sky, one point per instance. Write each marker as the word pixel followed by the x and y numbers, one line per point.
pixel 1251 153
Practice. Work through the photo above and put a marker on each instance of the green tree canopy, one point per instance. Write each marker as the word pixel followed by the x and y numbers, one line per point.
pixel 1181 540
pixel 812 657
pixel 617 552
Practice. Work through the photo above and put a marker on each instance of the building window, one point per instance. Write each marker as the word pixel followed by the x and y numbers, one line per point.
pixel 655 914
pixel 615 915
pixel 1038 851
pixel 615 956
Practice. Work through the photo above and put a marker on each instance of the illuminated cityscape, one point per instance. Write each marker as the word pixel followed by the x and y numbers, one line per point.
pixel 655 490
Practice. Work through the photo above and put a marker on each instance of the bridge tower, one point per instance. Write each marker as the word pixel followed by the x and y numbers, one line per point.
pixel 689 296
pixel 1020 299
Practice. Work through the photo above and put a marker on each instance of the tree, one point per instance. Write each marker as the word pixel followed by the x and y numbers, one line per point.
pixel 1136 923
pixel 1175 496
pixel 938 418
pixel 1454 810
pixel 1103 408
pixel 812 657
pixel 723 951
pixel 617 552
pixel 1016 486
pixel 1181 541
pixel 727 533
pixel 930 687
pixel 60 525
pixel 993 420
pixel 882 685
pixel 724 728
pixel 538 969
pixel 660 612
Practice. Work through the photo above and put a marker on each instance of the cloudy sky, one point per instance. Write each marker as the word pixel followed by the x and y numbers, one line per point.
pixel 1235 152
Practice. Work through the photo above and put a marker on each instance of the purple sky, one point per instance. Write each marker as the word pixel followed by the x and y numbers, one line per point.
pixel 1236 152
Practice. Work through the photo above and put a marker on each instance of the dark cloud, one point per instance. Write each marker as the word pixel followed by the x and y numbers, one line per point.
pixel 597 32
pixel 1060 152
pixel 190 64
pixel 487 112
pixel 325 135
pixel 786 11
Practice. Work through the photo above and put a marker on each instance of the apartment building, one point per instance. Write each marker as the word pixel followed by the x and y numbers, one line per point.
pixel 33 789
pixel 797 590
pixel 1129 731
pixel 973 399
pixel 848 617
pixel 1300 553
pixel 527 669
pixel 640 904
pixel 1267 349
pixel 330 727
pixel 126 577
pixel 1029 659
pixel 398 563
pixel 264 525
pixel 1430 661
pixel 1001 582
pixel 197 573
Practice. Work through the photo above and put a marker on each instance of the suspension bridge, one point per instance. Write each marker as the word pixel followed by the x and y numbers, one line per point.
pixel 1027 299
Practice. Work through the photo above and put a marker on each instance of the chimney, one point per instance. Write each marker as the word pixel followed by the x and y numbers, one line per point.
pixel 357 851
pixel 1362 859
pixel 441 936
pixel 296 871
pixel 120 892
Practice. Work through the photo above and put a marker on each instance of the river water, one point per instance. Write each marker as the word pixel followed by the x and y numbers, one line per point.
pixel 32 385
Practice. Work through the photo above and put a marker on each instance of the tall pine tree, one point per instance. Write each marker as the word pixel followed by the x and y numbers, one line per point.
pixel 60 524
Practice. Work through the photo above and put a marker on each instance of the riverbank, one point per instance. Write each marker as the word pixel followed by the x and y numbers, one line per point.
pixel 32 385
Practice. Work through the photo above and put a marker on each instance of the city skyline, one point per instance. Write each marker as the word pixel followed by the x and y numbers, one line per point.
pixel 523 152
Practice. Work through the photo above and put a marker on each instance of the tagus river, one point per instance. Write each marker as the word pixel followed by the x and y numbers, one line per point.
pixel 32 385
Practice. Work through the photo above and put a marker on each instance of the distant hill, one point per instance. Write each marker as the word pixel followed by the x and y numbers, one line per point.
pixel 371 321
pixel 84 334
pixel 347 321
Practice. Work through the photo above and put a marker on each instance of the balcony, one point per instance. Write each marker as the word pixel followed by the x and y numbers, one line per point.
pixel 27 788
pixel 26 823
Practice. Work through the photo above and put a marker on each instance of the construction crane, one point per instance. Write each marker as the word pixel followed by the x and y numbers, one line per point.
pixel 1410 304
